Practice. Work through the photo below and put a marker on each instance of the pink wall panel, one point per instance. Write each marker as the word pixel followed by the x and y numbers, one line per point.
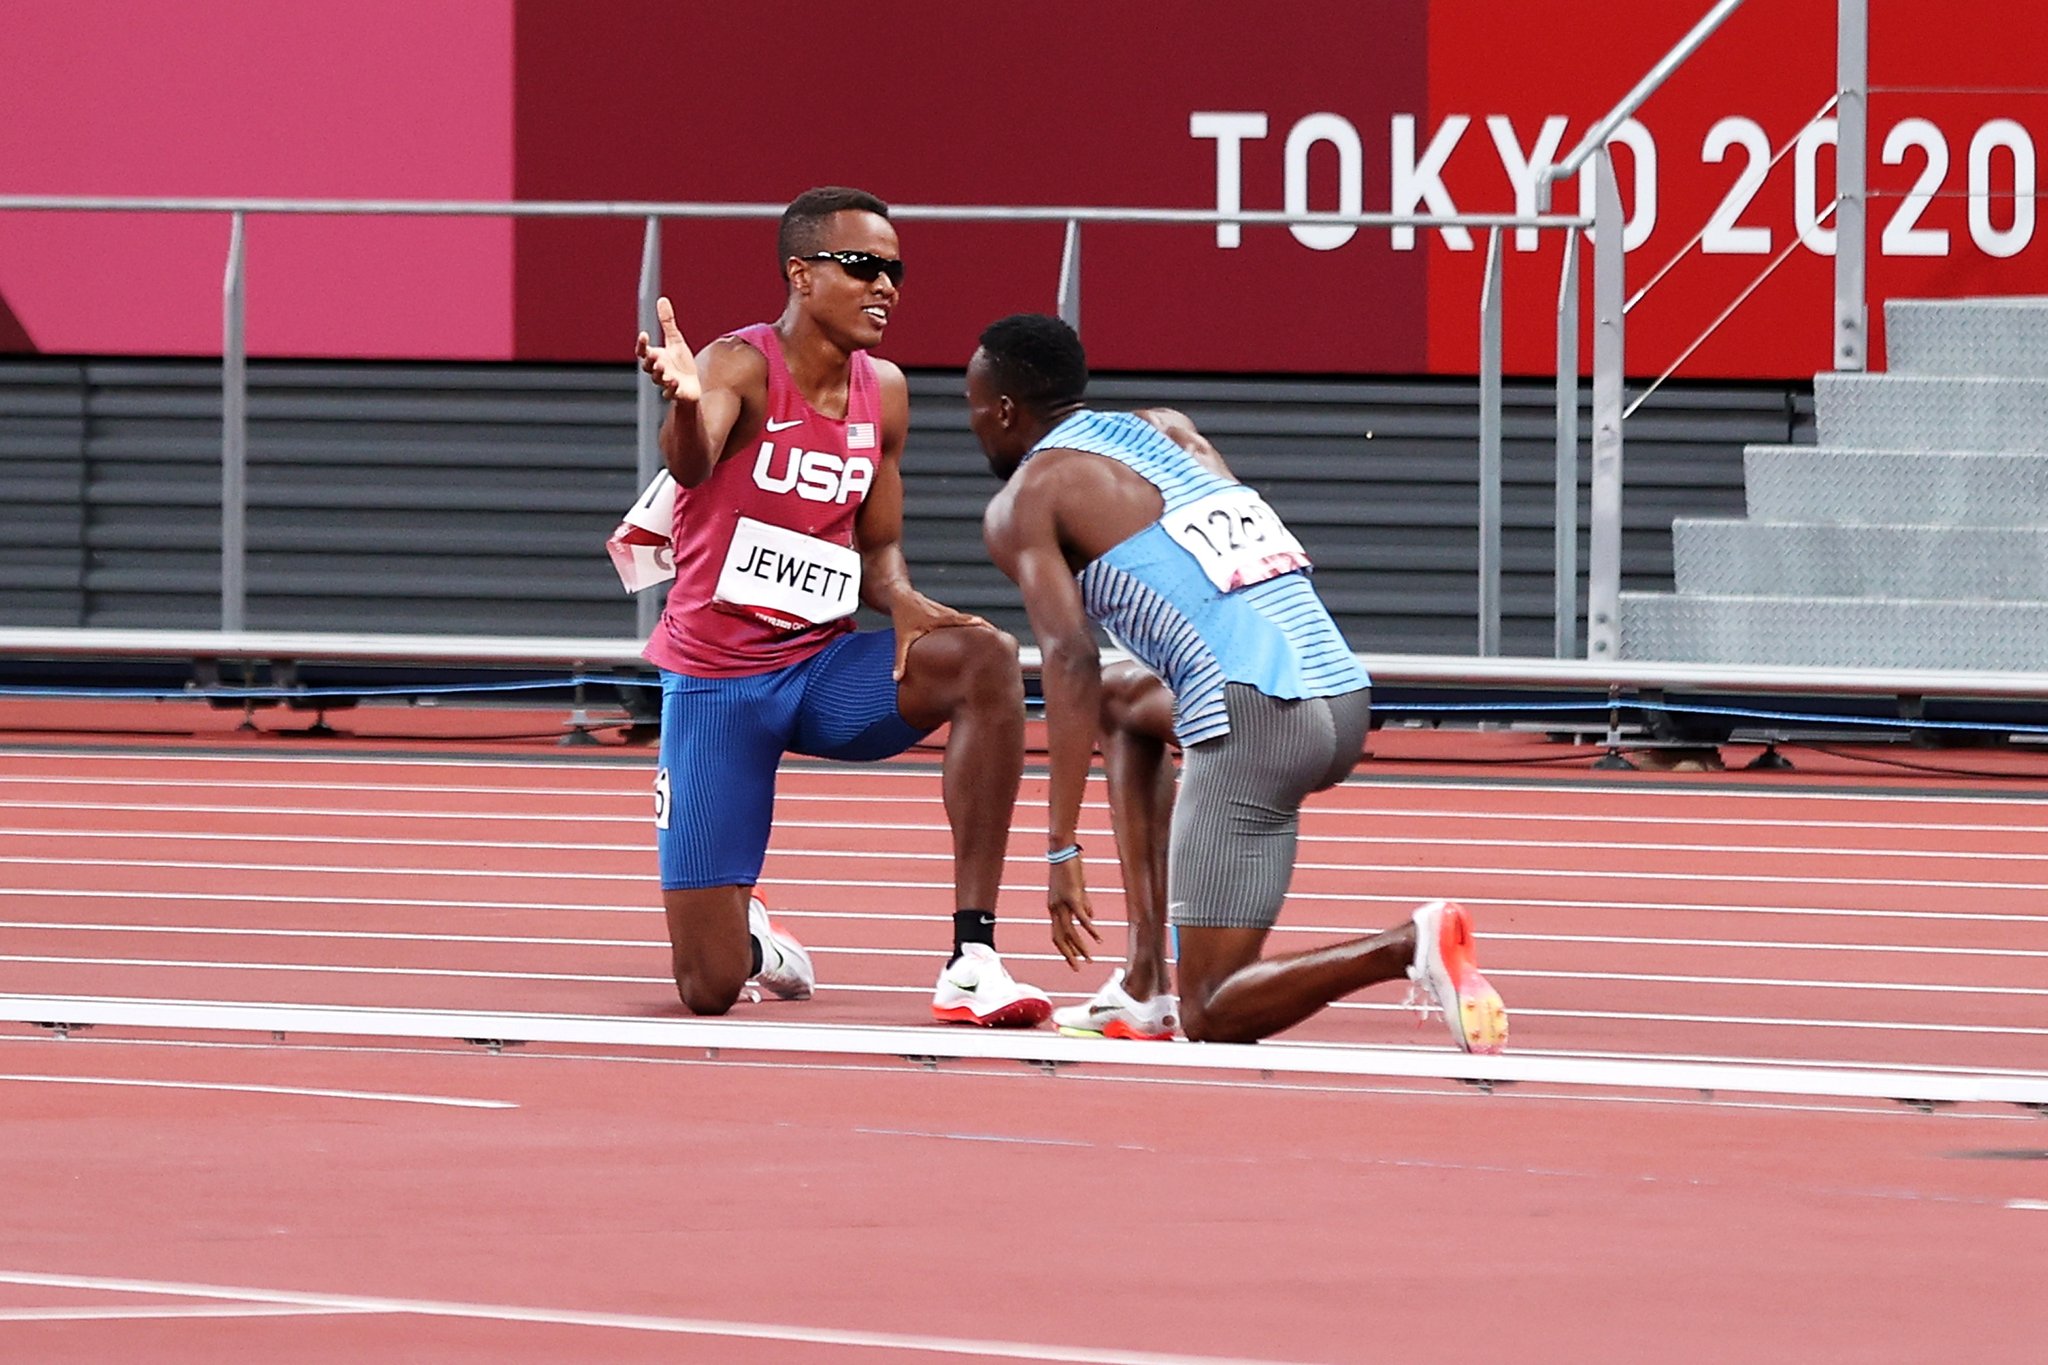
pixel 369 99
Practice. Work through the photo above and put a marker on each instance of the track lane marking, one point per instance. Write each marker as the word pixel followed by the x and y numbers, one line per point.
pixel 639 1322
pixel 544 941
pixel 1399 869
pixel 307 1092
pixel 638 819
pixel 842 883
pixel 640 777
pixel 1038 959
pixel 175 1311
pixel 1339 1007
pixel 129 834
pixel 1858 1109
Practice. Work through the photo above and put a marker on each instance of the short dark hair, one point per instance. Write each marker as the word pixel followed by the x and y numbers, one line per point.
pixel 803 222
pixel 1037 360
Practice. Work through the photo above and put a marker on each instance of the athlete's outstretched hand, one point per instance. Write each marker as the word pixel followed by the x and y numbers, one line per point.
pixel 670 365
pixel 914 615
pixel 1066 900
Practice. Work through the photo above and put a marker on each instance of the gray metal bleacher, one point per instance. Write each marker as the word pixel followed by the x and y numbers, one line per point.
pixel 1914 534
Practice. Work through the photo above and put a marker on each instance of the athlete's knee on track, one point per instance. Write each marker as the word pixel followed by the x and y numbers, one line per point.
pixel 1213 965
pixel 705 990
pixel 1199 1025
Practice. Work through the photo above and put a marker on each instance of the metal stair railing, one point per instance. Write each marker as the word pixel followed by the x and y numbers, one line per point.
pixel 234 349
pixel 1603 568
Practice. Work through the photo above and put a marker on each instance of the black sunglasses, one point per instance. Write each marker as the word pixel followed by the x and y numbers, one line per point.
pixel 864 266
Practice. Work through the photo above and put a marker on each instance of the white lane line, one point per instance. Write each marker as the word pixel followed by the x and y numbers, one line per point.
pixel 386 1097
pixel 1972 988
pixel 129 833
pixel 350 935
pixel 216 898
pixel 763 1035
pixel 182 1310
pixel 1316 812
pixel 924 954
pixel 1399 869
pixel 2029 1205
pixel 1760 945
pixel 637 1322
pixel 379 902
pixel 312 869
pixel 552 941
pixel 1633 791
pixel 982 1137
pixel 70 758
pixel 633 781
pixel 1354 898
pixel 346 812
pixel 875 988
pixel 328 969
pixel 641 790
pixel 1116 1077
pixel 1648 1017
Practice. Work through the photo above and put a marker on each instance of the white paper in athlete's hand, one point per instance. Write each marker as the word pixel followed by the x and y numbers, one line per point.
pixel 640 547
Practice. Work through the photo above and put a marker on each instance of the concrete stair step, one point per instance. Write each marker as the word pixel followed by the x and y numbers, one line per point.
pixel 1835 632
pixel 1801 559
pixel 2003 337
pixel 1920 412
pixel 1890 487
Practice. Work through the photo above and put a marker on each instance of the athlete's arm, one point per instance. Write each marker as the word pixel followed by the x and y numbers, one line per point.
pixel 878 531
pixel 1021 531
pixel 715 399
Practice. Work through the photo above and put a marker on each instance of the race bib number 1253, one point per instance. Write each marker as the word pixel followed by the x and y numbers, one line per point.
pixel 1236 538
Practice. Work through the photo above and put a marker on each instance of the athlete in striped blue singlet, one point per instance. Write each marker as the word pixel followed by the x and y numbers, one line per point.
pixel 1133 522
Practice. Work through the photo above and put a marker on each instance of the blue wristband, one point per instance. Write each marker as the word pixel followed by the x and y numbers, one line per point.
pixel 1063 855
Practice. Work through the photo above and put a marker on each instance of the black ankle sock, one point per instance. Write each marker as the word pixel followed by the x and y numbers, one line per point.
pixel 754 947
pixel 972 926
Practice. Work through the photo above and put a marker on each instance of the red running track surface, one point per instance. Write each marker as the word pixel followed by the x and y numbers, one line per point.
pixel 826 1209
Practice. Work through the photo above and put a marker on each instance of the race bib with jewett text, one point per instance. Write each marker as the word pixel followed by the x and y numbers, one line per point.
pixel 787 579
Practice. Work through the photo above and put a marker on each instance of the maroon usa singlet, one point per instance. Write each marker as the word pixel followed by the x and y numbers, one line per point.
pixel 766 570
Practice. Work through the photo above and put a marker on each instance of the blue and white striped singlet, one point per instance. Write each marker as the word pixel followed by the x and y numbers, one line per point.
pixel 1156 602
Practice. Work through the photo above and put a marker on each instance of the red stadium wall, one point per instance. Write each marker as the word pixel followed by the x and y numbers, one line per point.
pixel 1394 104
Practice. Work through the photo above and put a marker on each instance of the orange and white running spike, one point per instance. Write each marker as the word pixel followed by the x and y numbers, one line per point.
pixel 978 989
pixel 1447 969
pixel 1112 1013
pixel 786 970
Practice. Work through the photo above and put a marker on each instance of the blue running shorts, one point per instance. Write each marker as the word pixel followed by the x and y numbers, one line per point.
pixel 723 738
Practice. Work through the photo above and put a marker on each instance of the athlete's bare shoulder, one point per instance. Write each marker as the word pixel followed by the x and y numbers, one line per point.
pixel 1180 429
pixel 735 379
pixel 1172 421
pixel 895 392
pixel 730 363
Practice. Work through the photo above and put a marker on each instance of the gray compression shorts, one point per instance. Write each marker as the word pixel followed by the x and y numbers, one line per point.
pixel 1234 822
